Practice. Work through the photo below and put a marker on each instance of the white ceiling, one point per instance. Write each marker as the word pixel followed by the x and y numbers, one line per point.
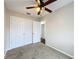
pixel 19 6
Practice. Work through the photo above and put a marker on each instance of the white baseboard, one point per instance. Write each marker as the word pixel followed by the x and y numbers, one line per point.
pixel 60 51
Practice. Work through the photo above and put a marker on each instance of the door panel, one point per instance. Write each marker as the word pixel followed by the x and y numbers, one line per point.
pixel 36 31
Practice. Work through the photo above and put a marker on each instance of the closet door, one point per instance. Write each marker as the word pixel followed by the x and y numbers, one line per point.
pixel 20 32
pixel 36 31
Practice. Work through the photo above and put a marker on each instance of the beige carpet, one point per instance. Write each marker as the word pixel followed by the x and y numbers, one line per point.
pixel 35 51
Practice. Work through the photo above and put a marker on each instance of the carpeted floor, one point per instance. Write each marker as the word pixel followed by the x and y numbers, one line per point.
pixel 35 51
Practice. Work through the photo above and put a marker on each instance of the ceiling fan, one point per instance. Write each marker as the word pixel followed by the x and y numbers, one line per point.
pixel 40 5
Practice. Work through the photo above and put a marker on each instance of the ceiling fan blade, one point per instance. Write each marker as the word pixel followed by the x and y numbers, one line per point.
pixel 48 10
pixel 30 7
pixel 38 2
pixel 42 3
pixel 39 11
pixel 49 1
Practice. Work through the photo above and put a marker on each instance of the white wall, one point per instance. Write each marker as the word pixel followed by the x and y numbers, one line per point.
pixel 59 31
pixel 42 30
pixel 6 29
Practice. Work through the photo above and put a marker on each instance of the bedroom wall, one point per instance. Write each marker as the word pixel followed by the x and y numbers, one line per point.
pixel 59 30
pixel 6 29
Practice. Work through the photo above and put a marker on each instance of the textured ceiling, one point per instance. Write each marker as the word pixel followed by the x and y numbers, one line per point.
pixel 19 6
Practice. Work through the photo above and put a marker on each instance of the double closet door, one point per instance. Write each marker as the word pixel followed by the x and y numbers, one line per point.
pixel 23 32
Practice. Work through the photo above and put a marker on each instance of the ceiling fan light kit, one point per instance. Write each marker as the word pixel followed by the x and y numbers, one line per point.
pixel 40 5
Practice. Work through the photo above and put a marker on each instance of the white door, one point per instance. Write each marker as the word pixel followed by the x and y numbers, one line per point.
pixel 20 32
pixel 36 31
